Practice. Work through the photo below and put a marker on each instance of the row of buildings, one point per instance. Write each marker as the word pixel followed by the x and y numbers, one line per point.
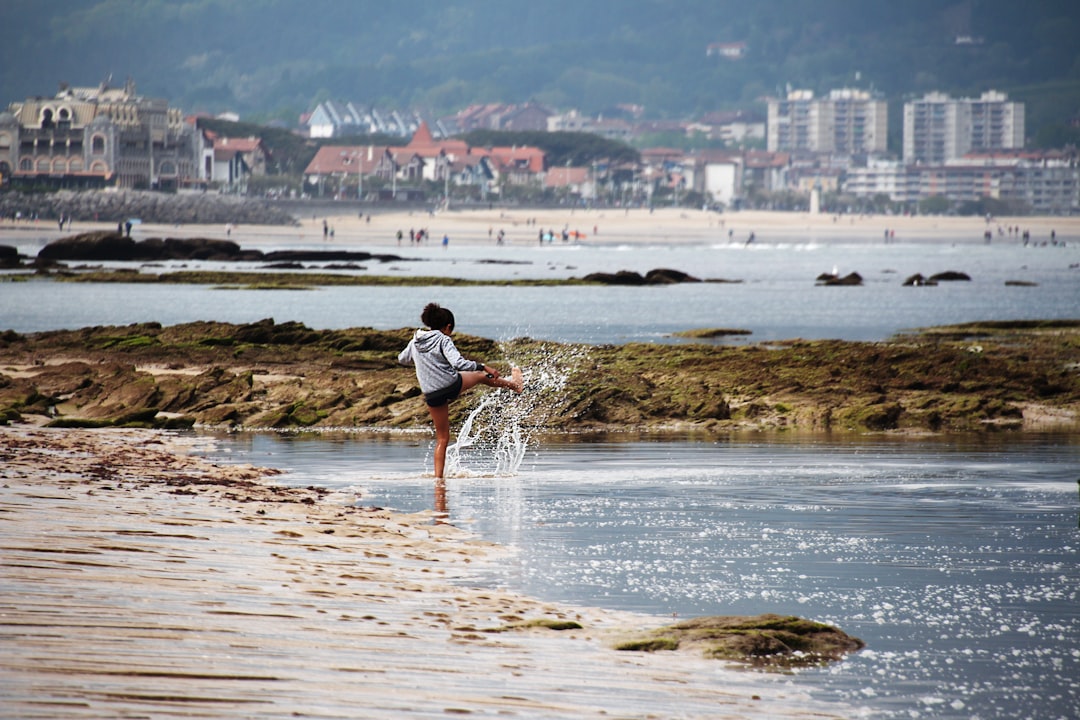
pixel 449 161
pixel 334 119
pixel 937 128
pixel 961 149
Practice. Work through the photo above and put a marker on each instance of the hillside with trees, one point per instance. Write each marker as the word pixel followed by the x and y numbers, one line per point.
pixel 275 60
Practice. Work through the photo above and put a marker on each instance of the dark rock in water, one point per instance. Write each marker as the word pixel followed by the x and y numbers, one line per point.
pixel 315 256
pixel 104 245
pixel 829 279
pixel 9 257
pixel 109 245
pixel 659 276
pixel 664 276
pixel 190 249
pixel 949 275
pixel 284 266
pixel 1020 283
pixel 623 277
pixel 917 280
pixel 328 256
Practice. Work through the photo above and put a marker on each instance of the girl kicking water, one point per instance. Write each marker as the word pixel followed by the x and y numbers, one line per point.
pixel 444 374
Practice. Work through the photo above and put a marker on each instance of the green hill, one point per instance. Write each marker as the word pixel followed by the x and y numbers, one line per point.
pixel 274 59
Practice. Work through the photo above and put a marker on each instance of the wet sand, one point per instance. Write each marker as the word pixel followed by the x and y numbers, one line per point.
pixel 378 228
pixel 140 580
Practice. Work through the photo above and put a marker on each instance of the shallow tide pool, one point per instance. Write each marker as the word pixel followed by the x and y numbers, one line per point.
pixel 955 559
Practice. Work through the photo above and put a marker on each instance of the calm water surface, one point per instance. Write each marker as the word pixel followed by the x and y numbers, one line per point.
pixel 954 559
pixel 775 298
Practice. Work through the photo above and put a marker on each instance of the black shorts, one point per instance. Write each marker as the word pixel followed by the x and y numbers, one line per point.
pixel 444 396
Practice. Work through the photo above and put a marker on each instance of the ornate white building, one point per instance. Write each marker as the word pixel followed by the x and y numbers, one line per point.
pixel 93 137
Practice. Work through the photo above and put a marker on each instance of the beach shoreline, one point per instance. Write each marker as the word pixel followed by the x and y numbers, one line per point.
pixel 142 579
pixel 356 225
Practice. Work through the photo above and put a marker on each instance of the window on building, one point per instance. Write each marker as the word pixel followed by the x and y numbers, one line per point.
pixel 97 145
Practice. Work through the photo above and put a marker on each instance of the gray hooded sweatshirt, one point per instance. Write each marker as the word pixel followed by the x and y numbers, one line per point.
pixel 436 359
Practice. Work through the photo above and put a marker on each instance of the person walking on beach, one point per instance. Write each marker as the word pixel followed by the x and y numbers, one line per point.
pixel 444 374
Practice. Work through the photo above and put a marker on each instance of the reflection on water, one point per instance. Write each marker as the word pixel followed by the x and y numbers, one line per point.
pixel 955 559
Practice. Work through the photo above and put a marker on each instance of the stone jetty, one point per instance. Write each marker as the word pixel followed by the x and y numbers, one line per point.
pixel 152 207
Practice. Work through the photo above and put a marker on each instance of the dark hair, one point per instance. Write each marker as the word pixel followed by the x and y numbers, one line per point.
pixel 437 317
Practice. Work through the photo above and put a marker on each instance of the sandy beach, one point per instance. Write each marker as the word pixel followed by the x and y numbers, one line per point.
pixel 140 580
pixel 378 227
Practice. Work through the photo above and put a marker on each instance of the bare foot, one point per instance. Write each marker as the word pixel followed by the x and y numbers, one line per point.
pixel 517 379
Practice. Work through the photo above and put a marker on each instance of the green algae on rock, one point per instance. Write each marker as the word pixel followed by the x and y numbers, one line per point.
pixel 768 641
pixel 288 376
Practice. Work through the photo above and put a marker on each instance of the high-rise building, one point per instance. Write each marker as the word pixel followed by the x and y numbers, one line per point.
pixel 938 128
pixel 847 122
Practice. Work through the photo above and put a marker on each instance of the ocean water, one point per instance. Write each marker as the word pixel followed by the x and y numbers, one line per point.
pixel 775 296
pixel 953 558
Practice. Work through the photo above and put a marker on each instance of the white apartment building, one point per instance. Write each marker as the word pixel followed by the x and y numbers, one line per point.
pixel 847 122
pixel 938 128
pixel 1047 183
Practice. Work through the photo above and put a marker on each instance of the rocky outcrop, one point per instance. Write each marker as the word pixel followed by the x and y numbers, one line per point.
pixel 772 641
pixel 266 374
pixel 918 280
pixel 949 276
pixel 830 279
pixel 100 246
pixel 153 207
pixel 9 257
pixel 659 276
pixel 105 245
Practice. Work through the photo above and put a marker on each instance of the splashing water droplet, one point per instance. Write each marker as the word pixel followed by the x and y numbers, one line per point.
pixel 496 434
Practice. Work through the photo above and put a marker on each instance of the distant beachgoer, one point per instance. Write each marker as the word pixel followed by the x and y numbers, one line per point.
pixel 325 228
pixel 444 374
pixel 445 241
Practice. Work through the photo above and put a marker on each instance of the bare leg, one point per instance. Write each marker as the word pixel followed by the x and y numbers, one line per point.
pixel 440 416
pixel 471 379
pixel 440 498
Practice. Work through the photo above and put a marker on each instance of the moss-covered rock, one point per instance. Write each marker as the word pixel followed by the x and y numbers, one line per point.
pixel 267 374
pixel 774 641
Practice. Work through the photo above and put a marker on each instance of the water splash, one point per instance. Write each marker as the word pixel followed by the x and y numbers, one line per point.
pixel 495 436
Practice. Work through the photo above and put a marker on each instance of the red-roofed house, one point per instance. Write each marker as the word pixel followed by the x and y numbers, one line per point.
pixel 236 158
pixel 348 165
